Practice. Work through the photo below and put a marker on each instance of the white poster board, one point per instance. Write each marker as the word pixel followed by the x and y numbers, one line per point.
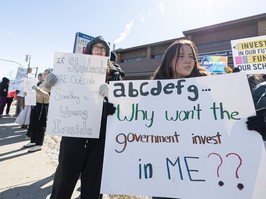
pixel 184 138
pixel 30 97
pixel 17 85
pixel 249 54
pixel 75 106
pixel 21 73
pixel 14 85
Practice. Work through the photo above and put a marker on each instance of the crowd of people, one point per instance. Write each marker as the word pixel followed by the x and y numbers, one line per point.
pixel 82 158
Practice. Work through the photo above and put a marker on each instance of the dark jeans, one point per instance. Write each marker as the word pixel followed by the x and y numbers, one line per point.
pixel 9 101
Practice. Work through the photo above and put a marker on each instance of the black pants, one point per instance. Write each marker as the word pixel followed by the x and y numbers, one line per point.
pixel 79 157
pixel 32 118
pixel 38 123
pixel 9 101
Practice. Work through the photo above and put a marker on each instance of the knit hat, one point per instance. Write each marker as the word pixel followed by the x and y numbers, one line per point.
pixel 96 40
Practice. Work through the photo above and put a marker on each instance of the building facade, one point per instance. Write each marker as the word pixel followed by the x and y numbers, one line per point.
pixel 141 61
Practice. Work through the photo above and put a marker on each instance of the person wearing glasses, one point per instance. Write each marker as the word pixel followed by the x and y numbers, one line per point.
pixel 83 157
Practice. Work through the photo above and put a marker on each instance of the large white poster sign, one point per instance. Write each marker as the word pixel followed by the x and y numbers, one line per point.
pixel 183 138
pixel 249 54
pixel 75 107
pixel 30 97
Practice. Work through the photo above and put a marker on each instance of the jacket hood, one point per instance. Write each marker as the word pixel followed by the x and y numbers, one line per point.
pixel 98 39
pixel 5 80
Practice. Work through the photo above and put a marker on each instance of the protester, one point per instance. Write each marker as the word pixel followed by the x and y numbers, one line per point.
pixel 3 94
pixel 179 61
pixel 24 117
pixel 40 78
pixel 113 59
pixel 33 108
pixel 258 122
pixel 9 100
pixel 255 79
pixel 257 93
pixel 20 102
pixel 83 157
pixel 40 112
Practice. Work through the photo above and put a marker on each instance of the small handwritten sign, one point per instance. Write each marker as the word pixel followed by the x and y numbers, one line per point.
pixel 30 97
pixel 182 138
pixel 75 106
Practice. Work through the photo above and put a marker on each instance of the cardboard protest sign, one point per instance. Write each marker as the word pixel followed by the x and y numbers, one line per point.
pixel 182 138
pixel 15 85
pixel 75 107
pixel 21 73
pixel 214 64
pixel 249 54
pixel 30 97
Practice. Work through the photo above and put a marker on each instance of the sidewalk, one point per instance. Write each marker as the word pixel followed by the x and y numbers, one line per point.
pixel 25 175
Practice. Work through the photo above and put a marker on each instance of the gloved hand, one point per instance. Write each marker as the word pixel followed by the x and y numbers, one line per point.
pixel 50 81
pixel 36 88
pixel 258 123
pixel 108 108
pixel 103 90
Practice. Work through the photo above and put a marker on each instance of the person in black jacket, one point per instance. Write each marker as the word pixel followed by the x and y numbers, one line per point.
pixel 258 122
pixel 3 93
pixel 83 157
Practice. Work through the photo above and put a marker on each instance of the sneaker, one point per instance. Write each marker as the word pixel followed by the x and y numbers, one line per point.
pixel 27 137
pixel 35 148
pixel 24 126
pixel 30 144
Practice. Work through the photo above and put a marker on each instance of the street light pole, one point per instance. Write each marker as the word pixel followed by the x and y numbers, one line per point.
pixel 11 61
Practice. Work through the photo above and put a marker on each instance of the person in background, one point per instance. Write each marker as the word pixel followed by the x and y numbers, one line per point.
pixel 255 79
pixel 20 102
pixel 83 157
pixel 9 100
pixel 257 93
pixel 3 94
pixel 40 79
pixel 32 113
pixel 40 112
pixel 113 60
pixel 258 122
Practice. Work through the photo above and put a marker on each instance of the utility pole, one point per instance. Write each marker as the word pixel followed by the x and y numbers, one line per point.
pixel 27 59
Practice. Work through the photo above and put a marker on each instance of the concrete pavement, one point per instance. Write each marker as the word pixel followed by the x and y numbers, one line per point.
pixel 25 175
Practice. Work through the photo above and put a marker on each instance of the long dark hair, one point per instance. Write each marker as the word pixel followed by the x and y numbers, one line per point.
pixel 165 69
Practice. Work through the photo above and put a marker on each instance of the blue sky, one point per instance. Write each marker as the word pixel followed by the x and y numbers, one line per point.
pixel 41 28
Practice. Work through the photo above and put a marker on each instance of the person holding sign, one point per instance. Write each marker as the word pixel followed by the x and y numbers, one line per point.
pixel 179 61
pixel 39 114
pixel 3 94
pixel 83 157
